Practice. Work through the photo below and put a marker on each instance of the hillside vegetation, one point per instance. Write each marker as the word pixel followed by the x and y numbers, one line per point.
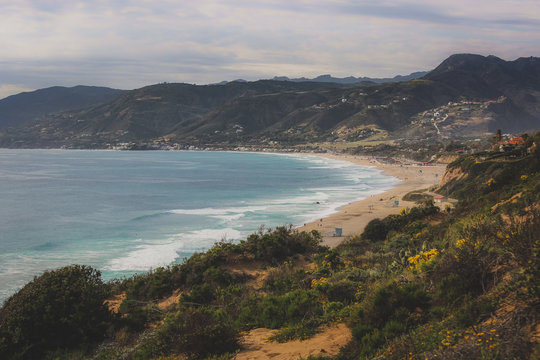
pixel 21 109
pixel 456 283
pixel 466 96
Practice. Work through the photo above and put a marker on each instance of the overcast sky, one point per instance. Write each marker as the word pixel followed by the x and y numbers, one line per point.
pixel 128 44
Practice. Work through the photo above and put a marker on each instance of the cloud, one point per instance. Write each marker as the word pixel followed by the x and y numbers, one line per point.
pixel 128 44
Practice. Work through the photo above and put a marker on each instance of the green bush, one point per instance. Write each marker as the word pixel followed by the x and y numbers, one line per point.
pixel 295 332
pixel 61 309
pixel 522 240
pixel 134 314
pixel 275 311
pixel 285 279
pixel 200 294
pixel 417 196
pixel 377 229
pixel 152 285
pixel 396 302
pixel 279 244
pixel 466 272
pixel 342 291
pixel 473 309
pixel 194 332
pixel 206 289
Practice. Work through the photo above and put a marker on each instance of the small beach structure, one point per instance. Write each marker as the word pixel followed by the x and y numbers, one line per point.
pixel 440 199
pixel 338 231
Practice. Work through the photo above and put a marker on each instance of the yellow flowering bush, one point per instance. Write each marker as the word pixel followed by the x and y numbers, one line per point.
pixel 466 242
pixel 319 283
pixel 490 182
pixel 460 244
pixel 433 341
pixel 422 258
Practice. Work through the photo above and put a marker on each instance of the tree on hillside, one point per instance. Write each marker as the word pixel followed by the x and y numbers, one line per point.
pixel 60 309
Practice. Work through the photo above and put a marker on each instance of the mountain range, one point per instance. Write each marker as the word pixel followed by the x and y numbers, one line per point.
pixel 354 80
pixel 465 96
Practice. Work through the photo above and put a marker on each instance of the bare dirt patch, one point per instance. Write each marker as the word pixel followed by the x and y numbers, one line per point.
pixel 115 302
pixel 169 301
pixel 257 346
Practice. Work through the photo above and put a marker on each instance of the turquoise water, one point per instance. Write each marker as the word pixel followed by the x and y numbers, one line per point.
pixel 126 212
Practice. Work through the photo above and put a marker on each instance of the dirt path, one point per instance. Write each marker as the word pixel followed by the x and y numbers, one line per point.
pixel 257 347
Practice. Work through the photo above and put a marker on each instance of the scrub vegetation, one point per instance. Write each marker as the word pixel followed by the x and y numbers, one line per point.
pixel 458 283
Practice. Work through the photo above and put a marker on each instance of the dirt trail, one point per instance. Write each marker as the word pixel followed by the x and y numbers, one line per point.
pixel 257 347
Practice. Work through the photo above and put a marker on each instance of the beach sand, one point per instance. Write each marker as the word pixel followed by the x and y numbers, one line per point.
pixel 353 218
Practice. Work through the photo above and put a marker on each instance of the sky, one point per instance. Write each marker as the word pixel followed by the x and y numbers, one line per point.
pixel 129 44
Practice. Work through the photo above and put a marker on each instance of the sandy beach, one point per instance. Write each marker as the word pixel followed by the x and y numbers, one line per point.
pixel 353 218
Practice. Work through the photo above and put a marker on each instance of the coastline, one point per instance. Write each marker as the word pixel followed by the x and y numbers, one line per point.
pixel 353 218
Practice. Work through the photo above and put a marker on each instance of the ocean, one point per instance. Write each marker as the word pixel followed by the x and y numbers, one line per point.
pixel 129 212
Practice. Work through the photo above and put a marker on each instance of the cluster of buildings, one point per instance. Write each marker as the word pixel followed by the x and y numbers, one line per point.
pixel 513 143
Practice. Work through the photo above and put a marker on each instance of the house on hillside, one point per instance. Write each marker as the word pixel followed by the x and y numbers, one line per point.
pixel 511 144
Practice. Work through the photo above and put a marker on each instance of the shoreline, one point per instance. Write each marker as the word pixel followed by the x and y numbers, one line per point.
pixel 353 218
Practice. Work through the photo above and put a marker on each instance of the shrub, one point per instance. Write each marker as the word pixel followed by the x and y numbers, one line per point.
pixel 471 310
pixel 275 311
pixel 417 197
pixel 295 332
pixel 60 309
pixel 397 302
pixel 275 246
pixel 151 285
pixel 284 279
pixel 342 291
pixel 522 240
pixel 134 314
pixel 377 229
pixel 200 294
pixel 194 332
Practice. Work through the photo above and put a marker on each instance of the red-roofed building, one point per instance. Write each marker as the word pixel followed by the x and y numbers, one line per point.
pixel 439 199
pixel 517 141
pixel 511 144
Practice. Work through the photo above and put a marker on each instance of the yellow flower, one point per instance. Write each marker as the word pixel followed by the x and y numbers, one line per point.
pixel 315 283
pixel 461 243
pixel 423 257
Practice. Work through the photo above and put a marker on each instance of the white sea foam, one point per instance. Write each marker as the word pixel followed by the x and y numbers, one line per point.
pixel 322 162
pixel 146 257
pixel 214 212
pixel 230 218
pixel 310 198
pixel 153 254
